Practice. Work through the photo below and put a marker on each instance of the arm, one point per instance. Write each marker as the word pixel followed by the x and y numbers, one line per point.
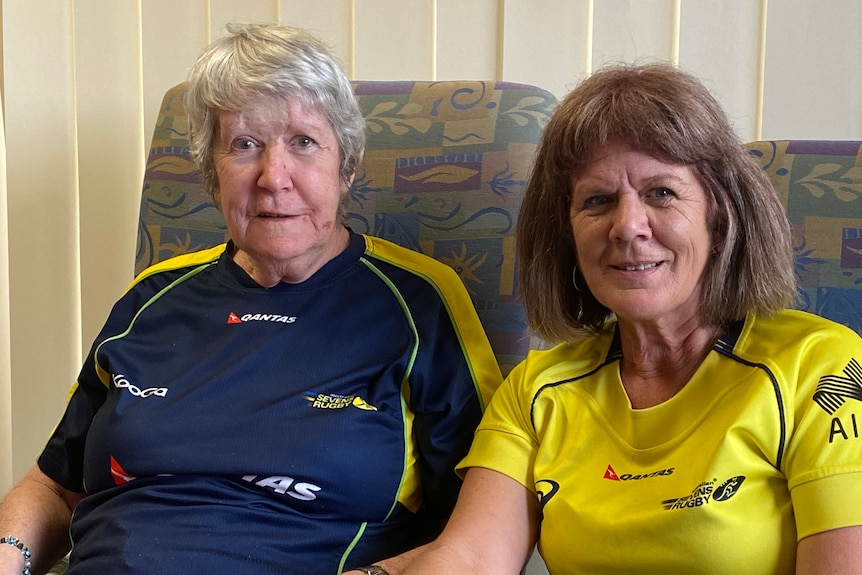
pixel 834 552
pixel 37 511
pixel 492 530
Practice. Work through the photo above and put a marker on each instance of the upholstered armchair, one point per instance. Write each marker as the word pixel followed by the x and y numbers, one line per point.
pixel 820 183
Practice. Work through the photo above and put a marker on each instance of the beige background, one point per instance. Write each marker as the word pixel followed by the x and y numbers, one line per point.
pixel 82 81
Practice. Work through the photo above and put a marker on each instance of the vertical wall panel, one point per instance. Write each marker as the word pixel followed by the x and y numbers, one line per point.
pixel 110 151
pixel 467 39
pixel 5 332
pixel 173 34
pixel 43 214
pixel 546 43
pixel 394 40
pixel 719 43
pixel 813 80
pixel 329 20
pixel 247 12
pixel 632 31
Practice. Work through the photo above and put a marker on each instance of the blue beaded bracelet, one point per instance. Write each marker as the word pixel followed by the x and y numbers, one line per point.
pixel 13 541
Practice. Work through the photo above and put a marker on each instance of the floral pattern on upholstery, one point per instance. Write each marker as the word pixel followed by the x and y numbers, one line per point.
pixel 820 183
pixel 444 173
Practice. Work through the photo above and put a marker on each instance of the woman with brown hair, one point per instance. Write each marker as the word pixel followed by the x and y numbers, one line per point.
pixel 682 423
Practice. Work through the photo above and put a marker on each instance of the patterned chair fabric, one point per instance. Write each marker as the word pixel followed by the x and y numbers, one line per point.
pixel 444 173
pixel 820 183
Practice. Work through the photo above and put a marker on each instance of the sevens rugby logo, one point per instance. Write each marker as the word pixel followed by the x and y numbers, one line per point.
pixel 832 390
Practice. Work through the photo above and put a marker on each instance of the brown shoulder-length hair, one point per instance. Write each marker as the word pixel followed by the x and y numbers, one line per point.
pixel 668 114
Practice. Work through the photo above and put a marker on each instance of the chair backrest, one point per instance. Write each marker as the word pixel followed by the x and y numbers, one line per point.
pixel 444 173
pixel 820 183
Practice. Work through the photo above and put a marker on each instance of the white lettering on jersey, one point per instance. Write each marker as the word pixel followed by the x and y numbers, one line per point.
pixel 284 485
pixel 121 382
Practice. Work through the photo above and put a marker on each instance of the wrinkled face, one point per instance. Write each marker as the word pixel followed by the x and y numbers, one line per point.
pixel 642 235
pixel 279 187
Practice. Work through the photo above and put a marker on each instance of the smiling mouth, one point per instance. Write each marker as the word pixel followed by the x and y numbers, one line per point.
pixel 637 267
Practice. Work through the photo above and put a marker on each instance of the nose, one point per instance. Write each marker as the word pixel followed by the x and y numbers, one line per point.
pixel 275 169
pixel 630 219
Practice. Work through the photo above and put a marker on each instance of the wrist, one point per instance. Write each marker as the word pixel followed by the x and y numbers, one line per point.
pixel 13 542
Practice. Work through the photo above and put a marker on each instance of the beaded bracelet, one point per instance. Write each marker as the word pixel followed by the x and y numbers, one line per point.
pixel 13 541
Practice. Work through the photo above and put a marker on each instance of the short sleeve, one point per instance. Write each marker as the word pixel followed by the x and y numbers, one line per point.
pixel 823 464
pixel 505 440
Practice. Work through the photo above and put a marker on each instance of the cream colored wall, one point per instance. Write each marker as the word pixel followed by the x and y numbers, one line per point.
pixel 83 81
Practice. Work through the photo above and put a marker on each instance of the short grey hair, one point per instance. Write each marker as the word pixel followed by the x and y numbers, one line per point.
pixel 264 60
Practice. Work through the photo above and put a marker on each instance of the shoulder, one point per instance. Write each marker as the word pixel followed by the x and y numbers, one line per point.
pixel 793 334
pixel 405 258
pixel 179 265
pixel 401 265
pixel 565 362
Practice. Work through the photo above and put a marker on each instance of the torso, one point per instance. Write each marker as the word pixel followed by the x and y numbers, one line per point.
pixel 700 483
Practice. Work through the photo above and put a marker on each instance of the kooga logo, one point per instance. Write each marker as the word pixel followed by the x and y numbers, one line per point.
pixel 120 382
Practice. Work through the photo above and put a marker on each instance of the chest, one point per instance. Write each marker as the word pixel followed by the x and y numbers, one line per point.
pixel 288 394
pixel 692 485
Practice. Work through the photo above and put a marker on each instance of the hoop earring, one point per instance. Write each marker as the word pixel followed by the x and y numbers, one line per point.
pixel 575 279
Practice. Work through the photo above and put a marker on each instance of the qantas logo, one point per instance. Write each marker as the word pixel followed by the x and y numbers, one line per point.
pixel 270 317
pixel 612 475
pixel 118 473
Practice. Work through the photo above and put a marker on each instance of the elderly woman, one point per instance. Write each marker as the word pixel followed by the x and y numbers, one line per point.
pixel 292 402
pixel 676 428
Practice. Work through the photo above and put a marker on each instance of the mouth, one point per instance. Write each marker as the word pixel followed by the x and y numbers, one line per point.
pixel 637 267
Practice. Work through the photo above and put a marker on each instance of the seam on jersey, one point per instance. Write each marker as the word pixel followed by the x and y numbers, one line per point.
pixel 102 372
pixel 607 361
pixel 468 359
pixel 405 381
pixel 352 545
pixel 727 351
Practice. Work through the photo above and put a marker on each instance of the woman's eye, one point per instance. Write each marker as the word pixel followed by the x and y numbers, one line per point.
pixel 597 201
pixel 661 193
pixel 243 144
pixel 303 141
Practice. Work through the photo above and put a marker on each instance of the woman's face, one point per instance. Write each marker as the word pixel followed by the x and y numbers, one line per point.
pixel 641 231
pixel 277 163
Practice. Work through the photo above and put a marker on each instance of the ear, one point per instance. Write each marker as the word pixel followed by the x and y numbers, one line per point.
pixel 215 193
pixel 346 183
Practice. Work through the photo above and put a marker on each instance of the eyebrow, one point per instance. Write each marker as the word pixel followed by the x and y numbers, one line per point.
pixel 662 178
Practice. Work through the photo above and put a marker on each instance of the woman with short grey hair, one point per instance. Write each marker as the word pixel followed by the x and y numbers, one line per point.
pixel 291 402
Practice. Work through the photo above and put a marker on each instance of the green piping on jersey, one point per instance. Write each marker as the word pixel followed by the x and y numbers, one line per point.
pixel 103 374
pixel 433 281
pixel 407 417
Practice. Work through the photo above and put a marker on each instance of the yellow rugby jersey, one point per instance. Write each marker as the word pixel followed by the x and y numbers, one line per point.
pixel 761 448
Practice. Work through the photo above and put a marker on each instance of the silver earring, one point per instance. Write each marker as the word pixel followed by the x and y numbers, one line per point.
pixel 575 279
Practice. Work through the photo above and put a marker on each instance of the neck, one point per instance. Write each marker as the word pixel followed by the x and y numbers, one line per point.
pixel 268 272
pixel 657 363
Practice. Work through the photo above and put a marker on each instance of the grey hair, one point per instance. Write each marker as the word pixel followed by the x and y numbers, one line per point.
pixel 264 60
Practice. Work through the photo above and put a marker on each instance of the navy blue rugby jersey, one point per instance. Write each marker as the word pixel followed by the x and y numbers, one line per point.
pixel 222 427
